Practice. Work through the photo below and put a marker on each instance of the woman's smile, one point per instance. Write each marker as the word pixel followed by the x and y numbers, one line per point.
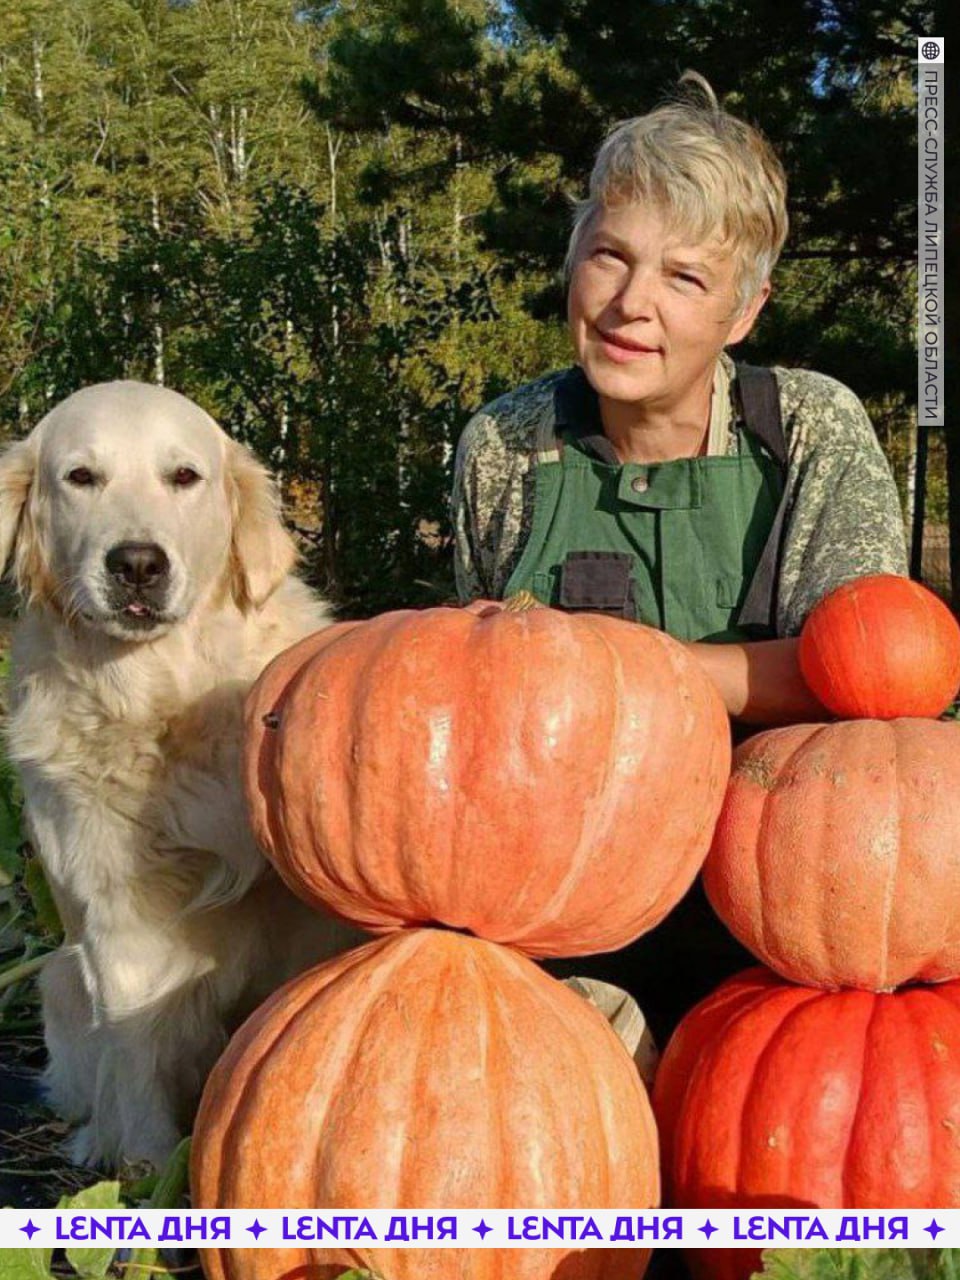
pixel 623 350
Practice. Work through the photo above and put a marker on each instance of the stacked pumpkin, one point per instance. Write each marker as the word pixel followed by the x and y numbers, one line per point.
pixel 481 786
pixel 836 860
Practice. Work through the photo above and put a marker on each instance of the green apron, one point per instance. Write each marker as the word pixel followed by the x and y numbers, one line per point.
pixel 691 547
pixel 674 545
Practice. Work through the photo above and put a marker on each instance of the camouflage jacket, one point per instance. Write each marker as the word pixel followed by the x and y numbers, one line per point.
pixel 843 517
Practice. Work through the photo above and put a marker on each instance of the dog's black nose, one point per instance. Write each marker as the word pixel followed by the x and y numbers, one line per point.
pixel 138 564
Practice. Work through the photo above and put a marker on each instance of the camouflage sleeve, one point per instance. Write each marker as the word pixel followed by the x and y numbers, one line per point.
pixel 492 501
pixel 466 510
pixel 844 518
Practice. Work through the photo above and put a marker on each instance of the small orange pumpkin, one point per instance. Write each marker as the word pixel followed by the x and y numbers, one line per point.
pixel 881 647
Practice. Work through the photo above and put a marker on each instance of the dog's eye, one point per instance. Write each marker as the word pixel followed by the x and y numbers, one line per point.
pixel 184 477
pixel 82 477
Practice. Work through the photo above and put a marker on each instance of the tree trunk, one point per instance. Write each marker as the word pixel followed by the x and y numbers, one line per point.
pixel 328 492
pixel 457 203
pixel 157 334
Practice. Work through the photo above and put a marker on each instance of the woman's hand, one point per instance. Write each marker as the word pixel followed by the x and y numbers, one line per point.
pixel 760 682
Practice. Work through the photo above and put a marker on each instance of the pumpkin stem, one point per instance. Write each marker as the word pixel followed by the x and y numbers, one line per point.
pixel 521 602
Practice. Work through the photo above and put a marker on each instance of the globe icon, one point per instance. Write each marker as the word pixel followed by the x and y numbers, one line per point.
pixel 930 50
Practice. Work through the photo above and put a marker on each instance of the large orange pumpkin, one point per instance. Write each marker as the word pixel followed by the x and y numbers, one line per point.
pixel 425 1071
pixel 539 779
pixel 772 1095
pixel 836 858
pixel 881 647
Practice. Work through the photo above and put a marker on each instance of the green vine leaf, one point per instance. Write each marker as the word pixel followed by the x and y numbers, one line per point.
pixel 25 1264
pixel 860 1264
pixel 93 1262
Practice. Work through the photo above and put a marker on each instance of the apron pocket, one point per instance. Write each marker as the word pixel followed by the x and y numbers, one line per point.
pixel 597 580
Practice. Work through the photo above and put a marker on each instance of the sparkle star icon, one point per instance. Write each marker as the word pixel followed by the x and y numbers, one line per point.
pixel 256 1230
pixel 30 1230
pixel 482 1229
pixel 934 1229
pixel 708 1228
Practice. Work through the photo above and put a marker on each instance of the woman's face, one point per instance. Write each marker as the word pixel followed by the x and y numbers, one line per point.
pixel 648 313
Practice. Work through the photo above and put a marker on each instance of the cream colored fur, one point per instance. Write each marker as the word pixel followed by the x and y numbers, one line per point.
pixel 128 742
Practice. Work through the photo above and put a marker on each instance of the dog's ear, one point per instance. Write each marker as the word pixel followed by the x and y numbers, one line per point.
pixel 19 544
pixel 262 553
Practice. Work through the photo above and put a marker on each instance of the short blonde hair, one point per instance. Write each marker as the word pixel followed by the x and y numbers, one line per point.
pixel 707 172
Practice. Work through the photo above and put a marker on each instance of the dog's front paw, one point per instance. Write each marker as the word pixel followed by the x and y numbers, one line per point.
pixel 83 1147
pixel 96 1148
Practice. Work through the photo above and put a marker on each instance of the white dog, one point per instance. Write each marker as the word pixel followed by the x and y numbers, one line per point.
pixel 155 575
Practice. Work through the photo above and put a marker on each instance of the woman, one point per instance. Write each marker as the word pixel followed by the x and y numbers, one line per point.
pixel 655 479
pixel 658 480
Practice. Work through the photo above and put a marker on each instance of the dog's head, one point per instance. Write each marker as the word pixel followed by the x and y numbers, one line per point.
pixel 127 504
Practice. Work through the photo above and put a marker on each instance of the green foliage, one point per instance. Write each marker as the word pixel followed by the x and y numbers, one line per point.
pixel 92 1263
pixel 171 1188
pixel 860 1264
pixel 10 805
pixel 341 230
pixel 25 1264
pixel 45 917
pixel 167 1191
pixel 29 924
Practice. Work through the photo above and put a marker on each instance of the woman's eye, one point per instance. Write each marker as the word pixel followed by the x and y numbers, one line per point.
pixel 602 251
pixel 688 279
pixel 184 477
pixel 81 477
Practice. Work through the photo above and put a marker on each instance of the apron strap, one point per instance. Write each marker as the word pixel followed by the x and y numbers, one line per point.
pixel 548 445
pixel 760 403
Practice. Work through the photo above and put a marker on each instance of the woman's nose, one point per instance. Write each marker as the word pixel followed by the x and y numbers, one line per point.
pixel 635 296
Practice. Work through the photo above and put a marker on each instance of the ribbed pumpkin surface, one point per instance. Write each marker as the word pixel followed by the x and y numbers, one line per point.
pixel 538 779
pixel 425 1071
pixel 775 1095
pixel 881 647
pixel 836 858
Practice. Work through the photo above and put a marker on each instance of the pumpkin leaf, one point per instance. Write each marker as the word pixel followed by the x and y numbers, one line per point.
pixel 93 1263
pixel 860 1264
pixel 358 1275
pixel 25 1264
